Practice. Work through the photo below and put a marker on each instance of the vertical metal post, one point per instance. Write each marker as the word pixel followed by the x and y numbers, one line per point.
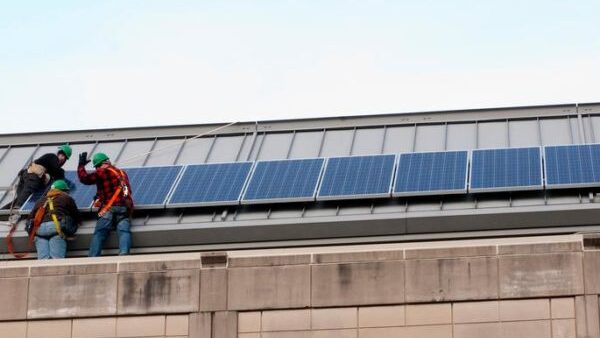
pixel 289 152
pixel 385 131
pixel 212 145
pixel 352 142
pixel 322 142
pixel 414 144
pixel 180 151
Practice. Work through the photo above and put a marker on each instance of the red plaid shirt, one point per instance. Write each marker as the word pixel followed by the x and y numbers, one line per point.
pixel 106 184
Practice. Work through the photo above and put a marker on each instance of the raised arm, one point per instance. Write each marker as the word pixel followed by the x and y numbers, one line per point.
pixel 84 176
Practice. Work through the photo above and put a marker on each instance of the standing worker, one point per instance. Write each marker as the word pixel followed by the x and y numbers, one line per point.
pixel 41 172
pixel 53 220
pixel 113 199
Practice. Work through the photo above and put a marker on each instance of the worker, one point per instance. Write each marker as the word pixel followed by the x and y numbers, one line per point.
pixel 114 201
pixel 53 220
pixel 39 174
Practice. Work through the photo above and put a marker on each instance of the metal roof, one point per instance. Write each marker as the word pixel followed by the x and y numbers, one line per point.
pixel 436 216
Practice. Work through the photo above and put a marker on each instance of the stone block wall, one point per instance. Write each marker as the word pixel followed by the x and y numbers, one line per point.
pixel 469 289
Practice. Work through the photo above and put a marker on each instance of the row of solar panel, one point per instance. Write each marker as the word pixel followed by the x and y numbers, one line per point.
pixel 355 177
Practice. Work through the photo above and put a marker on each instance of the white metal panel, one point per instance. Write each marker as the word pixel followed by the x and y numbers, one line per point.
pixel 134 153
pixel 595 128
pixel 226 149
pixel 195 151
pixel 275 146
pixel 246 148
pixel 164 152
pixel 588 130
pixel 2 151
pixel 368 141
pixel 337 143
pixel 111 149
pixel 15 160
pixel 524 133
pixel 555 131
pixel 492 135
pixel 399 140
pixel 72 163
pixel 306 144
pixel 255 147
pixel 430 137
pixel 45 149
pixel 577 138
pixel 461 136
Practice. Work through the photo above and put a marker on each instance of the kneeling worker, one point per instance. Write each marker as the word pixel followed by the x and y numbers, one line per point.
pixel 113 199
pixel 54 219
pixel 41 172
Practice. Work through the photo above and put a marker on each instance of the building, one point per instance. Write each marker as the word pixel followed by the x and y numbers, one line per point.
pixel 502 264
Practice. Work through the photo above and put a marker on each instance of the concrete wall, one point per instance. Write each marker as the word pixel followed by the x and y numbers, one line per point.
pixel 539 287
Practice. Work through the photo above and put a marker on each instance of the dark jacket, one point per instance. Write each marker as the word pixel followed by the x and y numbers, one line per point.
pixel 50 162
pixel 63 205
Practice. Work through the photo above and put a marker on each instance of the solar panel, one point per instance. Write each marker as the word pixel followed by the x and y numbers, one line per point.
pixel 151 185
pixel 82 194
pixel 355 177
pixel 210 184
pixel 284 181
pixel 508 169
pixel 572 166
pixel 431 173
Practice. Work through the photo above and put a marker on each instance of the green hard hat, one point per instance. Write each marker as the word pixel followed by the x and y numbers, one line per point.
pixel 66 149
pixel 98 158
pixel 60 185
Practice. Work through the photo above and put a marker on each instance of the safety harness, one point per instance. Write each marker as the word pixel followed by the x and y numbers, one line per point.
pixel 37 221
pixel 122 189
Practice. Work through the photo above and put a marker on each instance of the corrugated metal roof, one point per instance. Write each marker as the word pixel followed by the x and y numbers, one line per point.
pixel 378 134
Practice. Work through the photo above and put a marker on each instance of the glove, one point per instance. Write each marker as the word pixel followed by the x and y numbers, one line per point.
pixel 83 158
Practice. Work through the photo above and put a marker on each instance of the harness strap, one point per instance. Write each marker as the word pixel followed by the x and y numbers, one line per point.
pixel 54 218
pixel 122 189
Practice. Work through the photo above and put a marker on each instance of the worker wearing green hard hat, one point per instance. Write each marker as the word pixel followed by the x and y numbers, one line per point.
pixel 53 220
pixel 99 158
pixel 39 174
pixel 60 185
pixel 114 201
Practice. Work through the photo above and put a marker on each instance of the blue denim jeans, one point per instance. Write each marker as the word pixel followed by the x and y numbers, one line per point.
pixel 117 217
pixel 48 243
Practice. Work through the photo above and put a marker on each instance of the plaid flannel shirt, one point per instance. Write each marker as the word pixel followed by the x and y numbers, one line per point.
pixel 106 184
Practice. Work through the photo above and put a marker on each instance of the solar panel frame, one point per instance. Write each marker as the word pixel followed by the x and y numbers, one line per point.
pixel 551 186
pixel 169 204
pixel 167 195
pixel 506 188
pixel 319 197
pixel 244 201
pixel 430 192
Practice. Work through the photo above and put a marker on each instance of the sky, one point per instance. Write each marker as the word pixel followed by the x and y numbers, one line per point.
pixel 72 65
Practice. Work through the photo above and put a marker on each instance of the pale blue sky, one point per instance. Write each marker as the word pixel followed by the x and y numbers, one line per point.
pixel 95 64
